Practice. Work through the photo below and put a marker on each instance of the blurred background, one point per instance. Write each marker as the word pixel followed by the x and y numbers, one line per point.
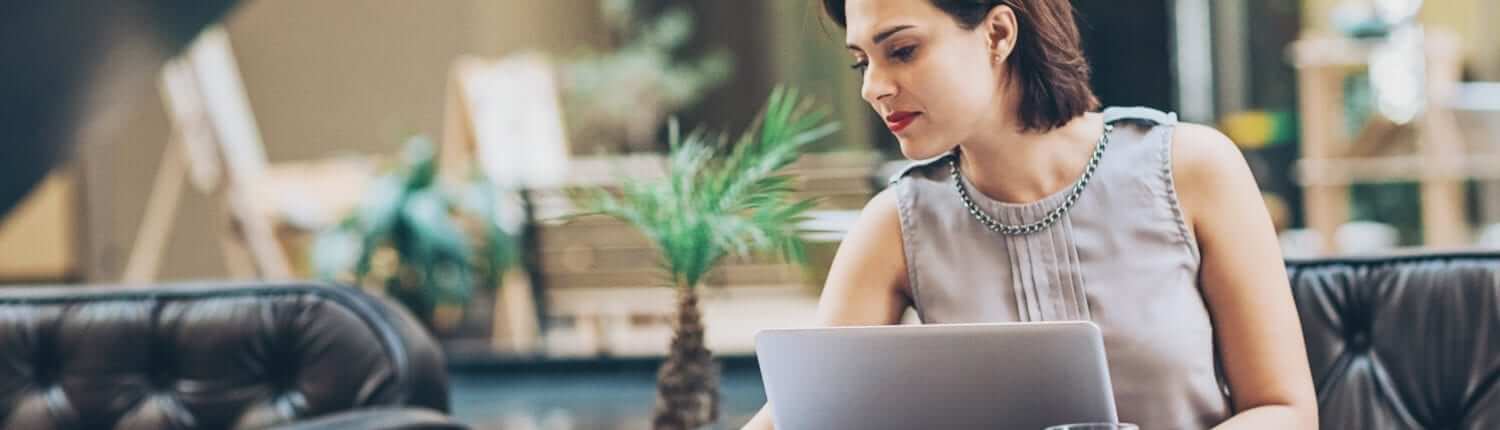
pixel 1371 126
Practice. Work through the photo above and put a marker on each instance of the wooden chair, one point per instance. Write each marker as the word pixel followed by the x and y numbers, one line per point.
pixel 503 120
pixel 216 146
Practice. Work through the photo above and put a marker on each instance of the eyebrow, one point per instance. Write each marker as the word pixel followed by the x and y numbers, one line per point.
pixel 883 35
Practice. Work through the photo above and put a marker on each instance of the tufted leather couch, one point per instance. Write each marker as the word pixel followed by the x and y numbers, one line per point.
pixel 1404 342
pixel 219 356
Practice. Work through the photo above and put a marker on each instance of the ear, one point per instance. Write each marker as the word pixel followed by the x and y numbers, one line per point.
pixel 1001 32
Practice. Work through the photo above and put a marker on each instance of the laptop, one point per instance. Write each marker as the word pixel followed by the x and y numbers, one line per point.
pixel 954 377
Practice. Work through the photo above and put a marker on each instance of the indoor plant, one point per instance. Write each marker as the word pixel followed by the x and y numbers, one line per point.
pixel 615 100
pixel 719 198
pixel 423 241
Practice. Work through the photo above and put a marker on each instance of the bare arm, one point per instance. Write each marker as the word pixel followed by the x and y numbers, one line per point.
pixel 867 282
pixel 1245 284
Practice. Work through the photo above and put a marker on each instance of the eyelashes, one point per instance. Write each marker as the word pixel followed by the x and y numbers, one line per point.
pixel 902 55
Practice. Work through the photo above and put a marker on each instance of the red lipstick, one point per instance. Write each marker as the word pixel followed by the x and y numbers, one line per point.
pixel 899 120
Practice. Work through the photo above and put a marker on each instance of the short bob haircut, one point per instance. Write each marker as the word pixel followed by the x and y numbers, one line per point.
pixel 1048 58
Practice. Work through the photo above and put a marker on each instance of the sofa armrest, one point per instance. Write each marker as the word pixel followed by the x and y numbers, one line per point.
pixel 378 419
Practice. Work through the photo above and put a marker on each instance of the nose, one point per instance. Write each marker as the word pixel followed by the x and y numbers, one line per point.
pixel 877 85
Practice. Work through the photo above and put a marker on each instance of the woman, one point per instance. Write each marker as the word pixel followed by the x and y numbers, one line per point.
pixel 1032 207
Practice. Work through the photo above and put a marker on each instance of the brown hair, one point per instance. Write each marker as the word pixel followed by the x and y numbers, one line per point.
pixel 1048 58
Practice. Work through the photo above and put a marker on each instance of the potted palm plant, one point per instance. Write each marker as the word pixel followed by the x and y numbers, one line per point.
pixel 718 199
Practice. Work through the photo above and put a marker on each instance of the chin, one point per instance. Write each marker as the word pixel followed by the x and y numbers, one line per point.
pixel 917 149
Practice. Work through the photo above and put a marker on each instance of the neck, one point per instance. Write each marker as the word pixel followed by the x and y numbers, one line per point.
pixel 1009 165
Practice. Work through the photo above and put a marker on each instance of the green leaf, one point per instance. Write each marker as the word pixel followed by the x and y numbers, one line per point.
pixel 335 252
pixel 433 230
pixel 419 162
pixel 499 249
pixel 719 199
pixel 376 217
pixel 381 204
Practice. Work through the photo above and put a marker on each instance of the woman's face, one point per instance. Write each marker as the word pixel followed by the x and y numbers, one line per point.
pixel 934 83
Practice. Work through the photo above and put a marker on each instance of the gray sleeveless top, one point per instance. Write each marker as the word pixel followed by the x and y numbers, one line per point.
pixel 1122 258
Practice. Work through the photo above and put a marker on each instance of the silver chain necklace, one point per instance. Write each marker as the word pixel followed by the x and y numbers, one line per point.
pixel 1053 215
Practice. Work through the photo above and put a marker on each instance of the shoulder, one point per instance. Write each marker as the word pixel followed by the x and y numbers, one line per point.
pixel 875 241
pixel 879 225
pixel 1208 168
pixel 1196 151
pixel 1200 152
pixel 880 213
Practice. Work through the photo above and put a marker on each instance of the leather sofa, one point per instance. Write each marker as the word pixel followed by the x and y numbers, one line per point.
pixel 1394 342
pixel 215 356
pixel 1403 342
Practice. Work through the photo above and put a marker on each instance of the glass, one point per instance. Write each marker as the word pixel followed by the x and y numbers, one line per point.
pixel 1094 426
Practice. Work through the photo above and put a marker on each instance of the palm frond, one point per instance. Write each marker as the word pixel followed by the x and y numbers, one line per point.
pixel 778 136
pixel 720 199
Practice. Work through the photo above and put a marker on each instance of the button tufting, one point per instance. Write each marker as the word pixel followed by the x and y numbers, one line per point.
pixel 1360 341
